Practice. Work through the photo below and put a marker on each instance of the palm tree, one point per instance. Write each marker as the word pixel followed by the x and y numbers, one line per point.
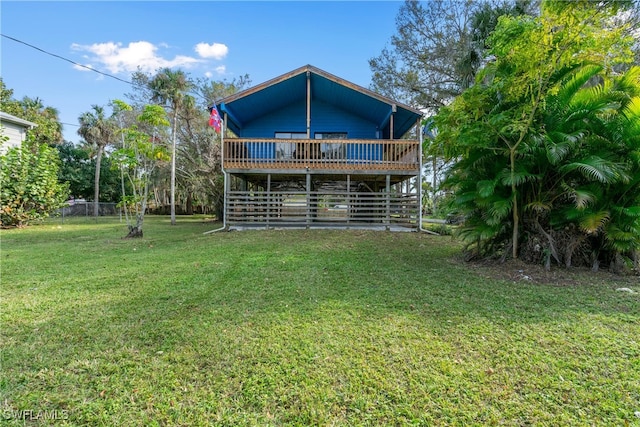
pixel 99 131
pixel 592 135
pixel 576 179
pixel 49 129
pixel 168 89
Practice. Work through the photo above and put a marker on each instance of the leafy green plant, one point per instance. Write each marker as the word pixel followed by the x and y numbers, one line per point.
pixel 137 159
pixel 546 143
pixel 29 187
pixel 441 229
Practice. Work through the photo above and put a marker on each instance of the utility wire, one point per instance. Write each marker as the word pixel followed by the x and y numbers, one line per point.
pixel 83 66
pixel 65 59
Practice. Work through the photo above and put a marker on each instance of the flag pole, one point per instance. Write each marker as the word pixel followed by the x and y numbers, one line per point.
pixel 220 128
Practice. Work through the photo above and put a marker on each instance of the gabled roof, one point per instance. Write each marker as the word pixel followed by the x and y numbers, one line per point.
pixel 6 117
pixel 245 106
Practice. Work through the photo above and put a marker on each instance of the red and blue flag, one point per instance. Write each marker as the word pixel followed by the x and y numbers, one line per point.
pixel 214 119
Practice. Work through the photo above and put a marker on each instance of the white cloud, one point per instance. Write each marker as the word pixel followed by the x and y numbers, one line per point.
pixel 221 70
pixel 125 59
pixel 215 50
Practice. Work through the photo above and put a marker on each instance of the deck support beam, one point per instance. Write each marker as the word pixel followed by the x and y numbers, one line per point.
pixel 419 177
pixel 268 198
pixel 308 105
pixel 227 190
pixel 388 202
pixel 348 199
pixel 308 187
pixel 391 127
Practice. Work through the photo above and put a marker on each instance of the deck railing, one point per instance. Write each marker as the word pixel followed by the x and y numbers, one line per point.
pixel 321 154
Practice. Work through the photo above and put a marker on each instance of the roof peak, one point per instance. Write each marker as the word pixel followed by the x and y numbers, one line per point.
pixel 322 73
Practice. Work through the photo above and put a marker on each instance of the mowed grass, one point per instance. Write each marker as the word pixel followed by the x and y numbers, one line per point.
pixel 300 328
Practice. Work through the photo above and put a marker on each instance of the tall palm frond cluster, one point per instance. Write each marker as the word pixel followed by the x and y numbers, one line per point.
pixel 168 88
pixel 99 131
pixel 577 178
pixel 551 175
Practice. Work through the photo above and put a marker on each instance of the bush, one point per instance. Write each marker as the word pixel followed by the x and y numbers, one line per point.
pixel 29 187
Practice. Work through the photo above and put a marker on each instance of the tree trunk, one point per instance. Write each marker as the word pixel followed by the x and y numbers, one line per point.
pixel 434 181
pixel 595 264
pixel 189 207
pixel 124 205
pixel 173 168
pixel 96 185
pixel 135 231
pixel 573 244
pixel 516 217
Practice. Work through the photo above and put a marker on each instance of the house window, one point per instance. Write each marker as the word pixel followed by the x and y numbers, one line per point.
pixel 334 150
pixel 331 135
pixel 291 135
pixel 287 150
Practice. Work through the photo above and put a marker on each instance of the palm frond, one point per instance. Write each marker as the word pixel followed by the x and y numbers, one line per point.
pixel 583 198
pixel 629 81
pixel 538 206
pixel 486 187
pixel 479 232
pixel 561 144
pixel 631 111
pixel 518 177
pixel 464 198
pixel 595 168
pixel 498 211
pixel 592 222
pixel 622 240
pixel 629 212
pixel 577 80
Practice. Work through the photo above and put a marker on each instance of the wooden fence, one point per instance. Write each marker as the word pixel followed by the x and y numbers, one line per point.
pixel 300 208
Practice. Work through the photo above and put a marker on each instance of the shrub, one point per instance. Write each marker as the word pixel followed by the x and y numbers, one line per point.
pixel 29 187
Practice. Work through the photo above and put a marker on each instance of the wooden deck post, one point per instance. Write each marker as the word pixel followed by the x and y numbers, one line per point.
pixel 225 175
pixel 393 112
pixel 308 216
pixel 388 202
pixel 348 200
pixel 308 105
pixel 419 177
pixel 227 189
pixel 268 198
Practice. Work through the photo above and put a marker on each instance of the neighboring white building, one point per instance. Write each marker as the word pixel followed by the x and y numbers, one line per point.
pixel 15 129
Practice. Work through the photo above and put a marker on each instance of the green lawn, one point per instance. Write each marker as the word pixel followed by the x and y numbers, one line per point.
pixel 301 328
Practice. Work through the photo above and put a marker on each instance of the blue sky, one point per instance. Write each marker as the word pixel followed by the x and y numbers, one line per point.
pixel 217 40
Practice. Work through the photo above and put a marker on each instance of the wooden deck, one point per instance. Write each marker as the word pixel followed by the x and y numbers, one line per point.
pixel 321 155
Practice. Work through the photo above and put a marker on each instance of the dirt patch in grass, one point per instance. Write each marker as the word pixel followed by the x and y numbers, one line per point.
pixel 520 272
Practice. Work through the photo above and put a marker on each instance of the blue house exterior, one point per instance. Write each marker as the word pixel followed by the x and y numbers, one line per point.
pixel 308 149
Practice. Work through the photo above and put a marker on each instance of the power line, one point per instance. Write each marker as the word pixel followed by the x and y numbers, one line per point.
pixel 84 66
pixel 66 59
